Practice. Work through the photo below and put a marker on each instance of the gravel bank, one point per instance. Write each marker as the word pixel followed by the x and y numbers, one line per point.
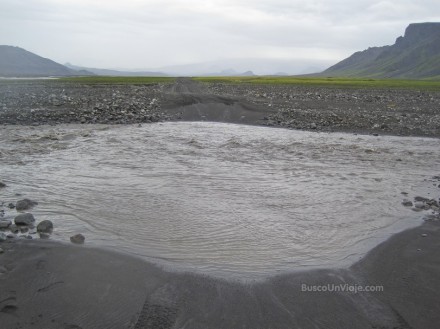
pixel 371 111
pixel 383 111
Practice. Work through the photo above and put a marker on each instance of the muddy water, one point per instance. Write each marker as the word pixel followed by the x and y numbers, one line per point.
pixel 225 200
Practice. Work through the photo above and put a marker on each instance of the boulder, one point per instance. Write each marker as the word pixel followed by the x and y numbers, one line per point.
pixel 24 219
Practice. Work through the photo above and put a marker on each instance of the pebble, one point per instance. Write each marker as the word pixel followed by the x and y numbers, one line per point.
pixel 1 251
pixel 424 235
pixel 3 237
pixel 2 184
pixel 77 238
pixel 407 203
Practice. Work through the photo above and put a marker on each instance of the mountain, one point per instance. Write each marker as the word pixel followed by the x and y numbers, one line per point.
pixel 416 55
pixel 117 73
pixel 250 66
pixel 17 62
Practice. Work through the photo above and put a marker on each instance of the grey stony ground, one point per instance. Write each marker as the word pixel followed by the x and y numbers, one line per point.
pixel 387 111
pixel 375 111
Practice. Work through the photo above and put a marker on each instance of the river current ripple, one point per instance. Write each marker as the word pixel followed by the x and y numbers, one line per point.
pixel 220 199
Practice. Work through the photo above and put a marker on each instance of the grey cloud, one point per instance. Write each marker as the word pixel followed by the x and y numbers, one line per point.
pixel 149 33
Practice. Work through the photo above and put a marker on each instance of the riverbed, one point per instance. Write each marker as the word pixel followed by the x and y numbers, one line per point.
pixel 220 199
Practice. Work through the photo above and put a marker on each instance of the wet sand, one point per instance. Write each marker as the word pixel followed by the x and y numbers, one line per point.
pixel 51 285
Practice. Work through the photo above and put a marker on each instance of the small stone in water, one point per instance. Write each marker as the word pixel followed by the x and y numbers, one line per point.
pixel 25 204
pixel 44 235
pixel 14 228
pixel 24 219
pixel 46 226
pixel 424 235
pixel 78 239
pixel 5 223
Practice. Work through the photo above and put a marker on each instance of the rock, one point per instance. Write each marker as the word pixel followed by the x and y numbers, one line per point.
pixel 419 204
pixel 5 223
pixel 77 238
pixel 44 235
pixel 11 206
pixel 46 226
pixel 3 237
pixel 407 203
pixel 14 228
pixel 25 204
pixel 420 198
pixel 1 251
pixel 26 237
pixel 2 184
pixel 3 269
pixel 24 219
pixel 424 235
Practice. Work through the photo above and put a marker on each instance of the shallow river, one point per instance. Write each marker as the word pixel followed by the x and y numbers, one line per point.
pixel 225 200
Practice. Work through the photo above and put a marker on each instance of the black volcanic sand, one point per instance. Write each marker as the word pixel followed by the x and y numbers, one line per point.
pixel 50 285
pixel 360 110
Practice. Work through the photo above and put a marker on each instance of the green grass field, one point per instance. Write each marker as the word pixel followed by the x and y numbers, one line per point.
pixel 331 82
pixel 116 80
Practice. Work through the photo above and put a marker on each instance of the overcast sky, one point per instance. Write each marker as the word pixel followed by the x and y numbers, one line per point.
pixel 156 33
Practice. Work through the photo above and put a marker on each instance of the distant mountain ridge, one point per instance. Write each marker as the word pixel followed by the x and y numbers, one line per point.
pixel 416 55
pixel 109 72
pixel 17 62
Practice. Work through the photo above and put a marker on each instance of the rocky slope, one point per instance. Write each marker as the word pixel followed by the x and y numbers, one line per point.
pixel 416 55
